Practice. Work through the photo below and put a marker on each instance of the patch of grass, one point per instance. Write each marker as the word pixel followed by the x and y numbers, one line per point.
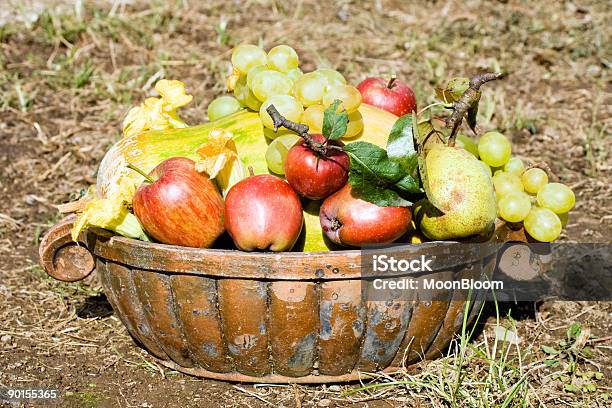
pixel 567 354
pixel 24 100
pixel 83 75
pixel 490 373
pixel 85 399
pixel 64 28
pixel 223 36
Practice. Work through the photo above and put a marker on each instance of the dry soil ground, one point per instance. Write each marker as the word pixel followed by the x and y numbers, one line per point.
pixel 68 74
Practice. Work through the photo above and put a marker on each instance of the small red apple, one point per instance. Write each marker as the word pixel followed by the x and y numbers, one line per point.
pixel 180 206
pixel 263 212
pixel 393 96
pixel 314 175
pixel 348 220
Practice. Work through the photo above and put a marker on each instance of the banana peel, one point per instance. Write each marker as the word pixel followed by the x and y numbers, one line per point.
pixel 146 150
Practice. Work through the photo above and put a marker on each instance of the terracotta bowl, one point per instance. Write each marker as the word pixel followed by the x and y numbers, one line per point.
pixel 265 317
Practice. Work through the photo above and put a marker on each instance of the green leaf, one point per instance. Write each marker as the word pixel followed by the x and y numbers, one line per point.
pixel 408 184
pixel 571 388
pixel 373 175
pixel 549 350
pixel 334 123
pixel 374 193
pixel 400 145
pixel 373 159
pixel 400 149
pixel 551 363
pixel 427 137
pixel 574 331
pixel 453 90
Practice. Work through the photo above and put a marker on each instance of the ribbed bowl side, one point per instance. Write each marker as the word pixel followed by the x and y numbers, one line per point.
pixel 294 326
pixel 243 306
pixel 288 328
pixel 278 317
pixel 120 290
pixel 196 301
pixel 342 315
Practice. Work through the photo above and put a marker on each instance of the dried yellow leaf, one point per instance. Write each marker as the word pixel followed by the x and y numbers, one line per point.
pixel 158 113
pixel 216 153
pixel 232 79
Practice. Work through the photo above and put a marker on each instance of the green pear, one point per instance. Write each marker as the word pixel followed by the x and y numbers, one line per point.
pixel 460 195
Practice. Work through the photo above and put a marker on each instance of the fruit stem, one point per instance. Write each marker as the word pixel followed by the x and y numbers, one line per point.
pixel 251 172
pixel 335 224
pixel 279 120
pixel 467 104
pixel 391 82
pixel 299 128
pixel 142 173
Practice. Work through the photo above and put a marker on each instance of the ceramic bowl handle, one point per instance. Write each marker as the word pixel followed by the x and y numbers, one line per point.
pixel 61 257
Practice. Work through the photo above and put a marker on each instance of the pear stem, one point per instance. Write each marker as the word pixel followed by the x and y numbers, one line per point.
pixel 251 172
pixel 467 104
pixel 148 178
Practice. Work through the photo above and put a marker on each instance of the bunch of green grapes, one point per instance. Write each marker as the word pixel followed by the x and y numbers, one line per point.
pixel 275 78
pixel 523 195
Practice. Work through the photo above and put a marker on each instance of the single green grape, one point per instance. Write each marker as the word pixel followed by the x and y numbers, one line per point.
pixel 310 88
pixel 286 105
pixel 557 197
pixel 271 135
pixel 494 149
pixel 269 83
pixel 514 207
pixel 542 224
pixel 354 125
pixel 515 166
pixel 253 72
pixel 313 118
pixel 247 56
pixel 294 74
pixel 244 95
pixel 506 183
pixel 222 106
pixel 534 179
pixel 467 143
pixel 332 76
pixel 349 95
pixel 276 154
pixel 282 58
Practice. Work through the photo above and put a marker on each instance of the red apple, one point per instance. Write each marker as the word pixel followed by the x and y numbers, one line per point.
pixel 180 206
pixel 263 212
pixel 348 220
pixel 393 96
pixel 314 175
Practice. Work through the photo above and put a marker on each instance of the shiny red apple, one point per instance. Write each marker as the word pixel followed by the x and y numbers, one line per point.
pixel 180 206
pixel 351 221
pixel 314 175
pixel 263 212
pixel 392 95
